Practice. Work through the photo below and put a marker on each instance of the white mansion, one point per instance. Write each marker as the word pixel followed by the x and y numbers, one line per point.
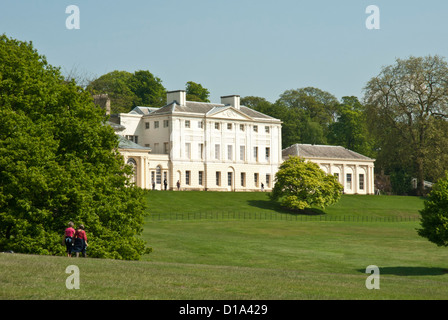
pixel 221 147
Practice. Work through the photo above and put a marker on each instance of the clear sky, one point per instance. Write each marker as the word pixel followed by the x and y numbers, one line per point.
pixel 246 47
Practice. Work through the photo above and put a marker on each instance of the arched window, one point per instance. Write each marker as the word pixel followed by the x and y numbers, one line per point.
pixel 133 163
pixel 158 175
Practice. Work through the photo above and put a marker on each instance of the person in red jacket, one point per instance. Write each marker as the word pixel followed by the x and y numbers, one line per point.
pixel 69 233
pixel 80 241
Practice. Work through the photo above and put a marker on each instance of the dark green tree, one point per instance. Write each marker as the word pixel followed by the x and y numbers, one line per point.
pixel 434 216
pixel 350 128
pixel 59 162
pixel 127 90
pixel 196 92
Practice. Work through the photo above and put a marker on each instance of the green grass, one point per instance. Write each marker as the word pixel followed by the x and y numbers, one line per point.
pixel 235 258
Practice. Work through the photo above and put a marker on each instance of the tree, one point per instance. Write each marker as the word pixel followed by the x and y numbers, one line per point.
pixel 302 184
pixel 127 90
pixel 307 114
pixel 196 92
pixel 59 162
pixel 434 216
pixel 407 107
pixel 350 128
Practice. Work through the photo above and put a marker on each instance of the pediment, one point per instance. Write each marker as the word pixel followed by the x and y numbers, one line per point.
pixel 228 113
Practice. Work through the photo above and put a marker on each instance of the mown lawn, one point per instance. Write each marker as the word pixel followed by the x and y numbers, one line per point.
pixel 243 259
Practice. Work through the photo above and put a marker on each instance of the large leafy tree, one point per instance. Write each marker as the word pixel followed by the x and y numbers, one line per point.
pixel 407 107
pixel 58 163
pixel 127 90
pixel 196 92
pixel 302 184
pixel 350 128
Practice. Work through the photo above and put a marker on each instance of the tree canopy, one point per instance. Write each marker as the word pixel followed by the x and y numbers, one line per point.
pixel 301 184
pixel 59 162
pixel 196 92
pixel 127 90
pixel 407 105
pixel 434 216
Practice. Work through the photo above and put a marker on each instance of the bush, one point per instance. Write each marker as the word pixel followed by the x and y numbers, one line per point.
pixel 302 184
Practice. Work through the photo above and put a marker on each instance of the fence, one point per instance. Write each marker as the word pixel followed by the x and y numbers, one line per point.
pixel 230 215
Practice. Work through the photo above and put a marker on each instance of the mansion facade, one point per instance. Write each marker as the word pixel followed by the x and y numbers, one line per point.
pixel 223 146
pixel 201 146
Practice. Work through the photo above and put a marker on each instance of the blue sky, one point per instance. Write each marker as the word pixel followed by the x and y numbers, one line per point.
pixel 246 47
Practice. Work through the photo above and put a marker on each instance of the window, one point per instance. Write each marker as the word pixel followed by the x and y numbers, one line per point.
pixel 153 174
pixel 256 153
pixel 156 124
pixel 217 125
pixel 255 128
pixel 187 177
pixel 132 138
pixel 336 175
pixel 243 179
pixel 188 150
pixel 268 153
pixel 229 179
pixel 268 180
pixel 241 127
pixel 166 149
pixel 218 178
pixel 147 145
pixel 229 126
pixel 242 153
pixel 361 181
pixel 201 150
pixel 187 123
pixel 158 175
pixel 156 148
pixel 229 152
pixel 200 177
pixel 217 151
pixel 166 124
pixel 146 125
pixel 200 124
pixel 266 129
pixel 348 182
pixel 256 179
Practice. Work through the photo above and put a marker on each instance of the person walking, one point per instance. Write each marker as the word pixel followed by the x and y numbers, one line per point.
pixel 178 185
pixel 80 244
pixel 69 233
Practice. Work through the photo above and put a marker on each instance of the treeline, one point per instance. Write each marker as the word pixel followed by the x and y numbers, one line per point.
pixel 400 121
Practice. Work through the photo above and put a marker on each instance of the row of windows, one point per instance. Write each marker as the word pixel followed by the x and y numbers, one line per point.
pixel 348 181
pixel 217 154
pixel 200 125
pixel 219 182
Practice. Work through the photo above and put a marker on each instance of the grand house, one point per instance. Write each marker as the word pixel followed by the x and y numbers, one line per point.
pixel 221 147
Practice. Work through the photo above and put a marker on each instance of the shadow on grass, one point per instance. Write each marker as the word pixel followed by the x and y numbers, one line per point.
pixel 275 206
pixel 411 271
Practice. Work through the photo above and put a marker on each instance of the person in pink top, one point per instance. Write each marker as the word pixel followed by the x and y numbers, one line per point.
pixel 80 244
pixel 69 233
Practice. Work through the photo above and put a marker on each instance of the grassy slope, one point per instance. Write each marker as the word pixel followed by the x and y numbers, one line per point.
pixel 250 259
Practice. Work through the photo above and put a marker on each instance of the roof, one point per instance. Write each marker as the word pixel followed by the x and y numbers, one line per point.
pixel 200 108
pixel 142 110
pixel 124 143
pixel 323 151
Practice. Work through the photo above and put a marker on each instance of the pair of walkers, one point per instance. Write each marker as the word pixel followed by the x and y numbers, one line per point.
pixel 75 240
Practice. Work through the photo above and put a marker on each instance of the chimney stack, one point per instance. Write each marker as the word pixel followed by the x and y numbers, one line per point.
pixel 180 96
pixel 233 100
